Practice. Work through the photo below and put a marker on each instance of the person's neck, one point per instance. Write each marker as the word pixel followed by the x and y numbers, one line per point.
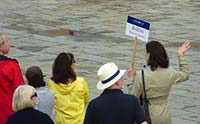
pixel 114 87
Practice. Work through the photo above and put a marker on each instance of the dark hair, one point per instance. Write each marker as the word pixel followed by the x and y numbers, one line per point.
pixel 158 55
pixel 35 76
pixel 62 71
pixel 36 82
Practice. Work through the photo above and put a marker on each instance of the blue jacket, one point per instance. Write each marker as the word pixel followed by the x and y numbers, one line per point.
pixel 29 116
pixel 114 107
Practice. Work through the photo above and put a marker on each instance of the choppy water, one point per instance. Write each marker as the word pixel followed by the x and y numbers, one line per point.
pixel 39 30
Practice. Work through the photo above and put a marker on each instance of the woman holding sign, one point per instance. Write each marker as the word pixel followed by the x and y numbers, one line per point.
pixel 159 78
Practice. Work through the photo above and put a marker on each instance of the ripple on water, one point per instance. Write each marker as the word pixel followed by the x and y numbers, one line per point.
pixel 31 48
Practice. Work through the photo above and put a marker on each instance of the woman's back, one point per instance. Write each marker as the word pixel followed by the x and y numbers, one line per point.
pixel 158 87
pixel 70 101
pixel 159 78
pixel 46 101
pixel 158 84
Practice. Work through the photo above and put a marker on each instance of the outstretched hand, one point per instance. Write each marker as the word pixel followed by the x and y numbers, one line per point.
pixel 183 48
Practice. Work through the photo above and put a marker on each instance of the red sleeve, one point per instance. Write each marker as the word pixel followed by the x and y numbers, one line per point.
pixel 17 78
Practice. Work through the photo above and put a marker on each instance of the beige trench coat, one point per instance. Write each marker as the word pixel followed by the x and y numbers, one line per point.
pixel 158 84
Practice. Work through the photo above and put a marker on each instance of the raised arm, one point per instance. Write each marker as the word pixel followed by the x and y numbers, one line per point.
pixel 183 73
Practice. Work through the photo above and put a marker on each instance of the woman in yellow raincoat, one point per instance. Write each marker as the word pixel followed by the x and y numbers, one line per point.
pixel 71 92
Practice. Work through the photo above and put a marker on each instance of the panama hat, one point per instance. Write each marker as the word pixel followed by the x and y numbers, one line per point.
pixel 108 75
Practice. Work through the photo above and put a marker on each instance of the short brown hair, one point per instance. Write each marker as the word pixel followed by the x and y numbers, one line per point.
pixel 34 75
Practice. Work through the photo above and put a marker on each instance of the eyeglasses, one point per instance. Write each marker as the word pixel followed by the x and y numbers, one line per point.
pixel 34 95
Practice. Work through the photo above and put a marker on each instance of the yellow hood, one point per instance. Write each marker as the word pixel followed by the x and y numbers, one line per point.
pixel 62 88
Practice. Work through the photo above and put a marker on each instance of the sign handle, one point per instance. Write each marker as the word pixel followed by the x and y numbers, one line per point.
pixel 134 51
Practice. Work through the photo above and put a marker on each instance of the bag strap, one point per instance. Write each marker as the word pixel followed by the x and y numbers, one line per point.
pixel 144 89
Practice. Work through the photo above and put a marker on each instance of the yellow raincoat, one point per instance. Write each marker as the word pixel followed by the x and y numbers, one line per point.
pixel 70 101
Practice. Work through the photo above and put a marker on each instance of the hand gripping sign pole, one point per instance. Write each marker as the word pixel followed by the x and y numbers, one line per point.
pixel 138 29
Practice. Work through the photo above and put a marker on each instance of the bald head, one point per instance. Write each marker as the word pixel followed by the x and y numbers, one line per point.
pixel 4 38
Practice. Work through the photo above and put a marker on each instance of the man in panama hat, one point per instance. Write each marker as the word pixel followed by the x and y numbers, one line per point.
pixel 113 106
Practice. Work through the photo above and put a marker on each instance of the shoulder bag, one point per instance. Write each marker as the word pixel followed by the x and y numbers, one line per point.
pixel 144 102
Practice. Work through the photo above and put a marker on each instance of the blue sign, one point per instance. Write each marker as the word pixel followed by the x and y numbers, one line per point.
pixel 137 28
pixel 138 22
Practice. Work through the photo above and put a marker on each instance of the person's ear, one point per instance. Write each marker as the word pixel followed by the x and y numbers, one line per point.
pixel 117 83
pixel 33 101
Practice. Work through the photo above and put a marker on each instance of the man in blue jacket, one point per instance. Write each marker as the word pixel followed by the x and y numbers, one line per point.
pixel 113 106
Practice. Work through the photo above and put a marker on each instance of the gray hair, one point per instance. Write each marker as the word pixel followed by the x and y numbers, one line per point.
pixel 22 97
